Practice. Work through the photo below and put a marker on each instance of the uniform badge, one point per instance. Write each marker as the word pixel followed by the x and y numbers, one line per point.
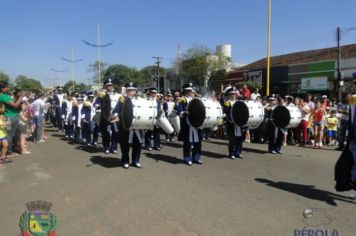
pixel 38 220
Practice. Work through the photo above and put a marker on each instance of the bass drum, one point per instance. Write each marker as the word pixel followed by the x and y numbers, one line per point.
pixel 295 116
pixel 163 123
pixel 196 114
pixel 174 119
pixel 139 113
pixel 213 114
pixel 247 113
pixel 286 116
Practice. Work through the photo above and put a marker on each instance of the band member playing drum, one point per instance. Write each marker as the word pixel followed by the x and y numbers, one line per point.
pixel 128 138
pixel 168 108
pixel 190 136
pixel 108 129
pixel 275 134
pixel 234 131
pixel 155 133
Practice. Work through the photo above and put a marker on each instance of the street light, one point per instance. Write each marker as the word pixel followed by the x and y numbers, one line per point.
pixel 72 61
pixel 60 71
pixel 98 45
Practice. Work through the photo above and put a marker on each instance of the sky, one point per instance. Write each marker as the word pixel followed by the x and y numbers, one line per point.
pixel 35 34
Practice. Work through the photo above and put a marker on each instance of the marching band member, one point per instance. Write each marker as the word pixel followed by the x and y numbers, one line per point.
pixel 58 99
pixel 190 136
pixel 234 132
pixel 96 118
pixel 77 118
pixel 275 134
pixel 88 113
pixel 96 129
pixel 155 133
pixel 168 108
pixel 109 130
pixel 128 137
pixel 67 115
pixel 345 168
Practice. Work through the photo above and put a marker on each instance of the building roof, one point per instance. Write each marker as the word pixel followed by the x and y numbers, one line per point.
pixel 347 51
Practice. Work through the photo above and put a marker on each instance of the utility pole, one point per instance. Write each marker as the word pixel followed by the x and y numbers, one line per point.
pixel 339 77
pixel 158 61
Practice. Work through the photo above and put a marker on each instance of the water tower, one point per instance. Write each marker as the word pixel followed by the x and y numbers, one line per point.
pixel 223 51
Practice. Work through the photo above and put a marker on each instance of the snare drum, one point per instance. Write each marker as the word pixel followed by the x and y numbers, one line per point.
pixel 174 119
pixel 163 123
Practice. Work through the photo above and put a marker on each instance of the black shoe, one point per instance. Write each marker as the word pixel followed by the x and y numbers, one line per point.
pixel 137 165
pixel 199 162
pixel 353 185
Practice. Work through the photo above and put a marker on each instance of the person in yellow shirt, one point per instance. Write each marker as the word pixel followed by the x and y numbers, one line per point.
pixel 3 135
pixel 332 123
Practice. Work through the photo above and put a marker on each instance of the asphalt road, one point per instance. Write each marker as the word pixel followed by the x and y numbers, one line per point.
pixel 262 194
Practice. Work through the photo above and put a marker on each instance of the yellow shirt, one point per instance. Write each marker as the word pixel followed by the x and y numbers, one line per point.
pixel 3 131
pixel 332 123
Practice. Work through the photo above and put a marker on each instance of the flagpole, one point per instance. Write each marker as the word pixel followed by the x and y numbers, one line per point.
pixel 268 49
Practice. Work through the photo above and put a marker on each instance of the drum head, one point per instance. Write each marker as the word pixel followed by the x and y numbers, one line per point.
pixel 239 113
pixel 127 114
pixel 281 116
pixel 196 111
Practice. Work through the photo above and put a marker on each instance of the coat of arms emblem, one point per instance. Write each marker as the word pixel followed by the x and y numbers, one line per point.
pixel 38 220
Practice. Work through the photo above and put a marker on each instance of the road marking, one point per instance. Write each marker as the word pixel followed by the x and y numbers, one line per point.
pixel 38 171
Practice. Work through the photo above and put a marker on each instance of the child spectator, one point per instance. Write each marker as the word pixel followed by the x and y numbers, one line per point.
pixel 23 126
pixel 318 117
pixel 332 123
pixel 3 135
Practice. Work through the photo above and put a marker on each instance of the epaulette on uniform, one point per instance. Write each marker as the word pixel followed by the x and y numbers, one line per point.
pixel 352 100
pixel 182 100
pixel 121 99
pixel 86 104
pixel 227 103
pixel 101 94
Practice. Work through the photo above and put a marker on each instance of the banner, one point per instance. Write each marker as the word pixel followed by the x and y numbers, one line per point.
pixel 315 83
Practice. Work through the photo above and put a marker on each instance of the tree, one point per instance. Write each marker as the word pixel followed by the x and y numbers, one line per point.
pixel 4 77
pixel 121 74
pixel 200 65
pixel 26 83
pixel 77 87
pixel 95 69
pixel 149 73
